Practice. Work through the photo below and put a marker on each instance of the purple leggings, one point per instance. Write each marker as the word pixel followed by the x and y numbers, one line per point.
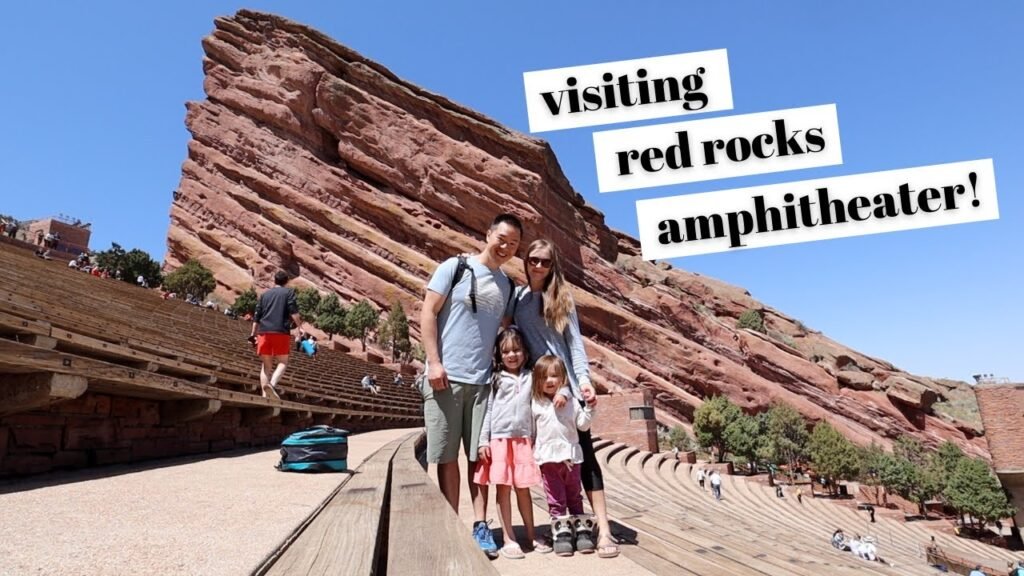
pixel 562 486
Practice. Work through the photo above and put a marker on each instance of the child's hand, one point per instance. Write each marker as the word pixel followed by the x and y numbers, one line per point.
pixel 559 401
pixel 483 454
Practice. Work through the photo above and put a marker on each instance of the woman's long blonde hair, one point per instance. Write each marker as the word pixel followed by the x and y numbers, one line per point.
pixel 556 300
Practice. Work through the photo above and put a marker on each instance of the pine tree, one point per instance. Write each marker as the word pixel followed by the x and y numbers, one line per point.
pixel 330 315
pixel 710 422
pixel 745 438
pixel 360 320
pixel 245 303
pixel 833 456
pixel 393 333
pixel 191 279
pixel 308 299
pixel 132 264
pixel 972 489
pixel 787 435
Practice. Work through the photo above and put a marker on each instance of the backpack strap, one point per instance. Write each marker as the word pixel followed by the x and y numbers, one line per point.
pixel 460 269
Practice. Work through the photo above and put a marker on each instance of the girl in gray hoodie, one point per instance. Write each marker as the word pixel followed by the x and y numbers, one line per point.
pixel 506 444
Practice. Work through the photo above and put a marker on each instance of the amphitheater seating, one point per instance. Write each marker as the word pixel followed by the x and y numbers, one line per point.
pixel 682 529
pixel 125 340
pixel 388 518
pixel 68 336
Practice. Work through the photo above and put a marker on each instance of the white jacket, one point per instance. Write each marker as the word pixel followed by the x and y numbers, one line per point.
pixel 556 439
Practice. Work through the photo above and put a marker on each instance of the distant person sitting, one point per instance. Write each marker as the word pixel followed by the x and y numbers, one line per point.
pixel 398 380
pixel 309 346
pixel 1019 570
pixel 271 331
pixel 141 281
pixel 839 540
pixel 977 571
pixel 73 264
pixel 369 383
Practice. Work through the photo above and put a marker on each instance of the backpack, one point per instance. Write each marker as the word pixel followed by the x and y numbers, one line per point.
pixel 460 270
pixel 317 449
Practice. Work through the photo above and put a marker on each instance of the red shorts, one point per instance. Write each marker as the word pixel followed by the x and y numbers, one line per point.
pixel 273 344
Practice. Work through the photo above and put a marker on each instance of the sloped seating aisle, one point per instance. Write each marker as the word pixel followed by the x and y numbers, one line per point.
pixel 127 340
pixel 750 531
pixel 388 518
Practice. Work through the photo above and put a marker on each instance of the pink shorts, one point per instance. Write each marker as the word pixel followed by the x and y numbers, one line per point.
pixel 511 464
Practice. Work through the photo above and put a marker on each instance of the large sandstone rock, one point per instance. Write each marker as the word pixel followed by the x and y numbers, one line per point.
pixel 855 379
pixel 309 157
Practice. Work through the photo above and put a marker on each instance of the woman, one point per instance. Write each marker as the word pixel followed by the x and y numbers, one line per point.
pixel 545 313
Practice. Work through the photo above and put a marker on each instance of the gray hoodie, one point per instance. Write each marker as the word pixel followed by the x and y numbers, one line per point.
pixel 509 414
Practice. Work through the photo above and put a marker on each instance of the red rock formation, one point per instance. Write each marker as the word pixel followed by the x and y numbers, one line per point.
pixel 308 157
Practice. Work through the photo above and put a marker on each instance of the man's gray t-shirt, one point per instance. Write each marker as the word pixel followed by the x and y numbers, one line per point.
pixel 466 340
pixel 274 310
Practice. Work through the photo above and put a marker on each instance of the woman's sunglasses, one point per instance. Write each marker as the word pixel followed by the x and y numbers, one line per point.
pixel 534 261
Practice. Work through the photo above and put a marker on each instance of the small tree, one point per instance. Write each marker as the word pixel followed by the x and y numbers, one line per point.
pixel 745 437
pixel 872 458
pixel 973 490
pixel 914 482
pixel 308 299
pixel 192 278
pixel 418 353
pixel 833 456
pixel 753 320
pixel 710 422
pixel 132 264
pixel 330 315
pixel 360 320
pixel 787 435
pixel 393 333
pixel 245 303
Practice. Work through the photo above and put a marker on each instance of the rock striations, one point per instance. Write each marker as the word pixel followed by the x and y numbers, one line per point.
pixel 309 157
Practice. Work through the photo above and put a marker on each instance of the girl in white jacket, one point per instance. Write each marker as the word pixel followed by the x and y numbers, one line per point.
pixel 505 452
pixel 557 451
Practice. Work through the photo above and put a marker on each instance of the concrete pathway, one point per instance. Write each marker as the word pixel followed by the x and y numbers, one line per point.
pixel 210 516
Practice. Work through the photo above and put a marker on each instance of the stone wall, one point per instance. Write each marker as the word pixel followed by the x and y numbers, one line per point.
pixel 613 421
pixel 1002 412
pixel 97 429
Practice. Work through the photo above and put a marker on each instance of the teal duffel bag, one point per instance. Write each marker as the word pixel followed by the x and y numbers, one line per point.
pixel 316 449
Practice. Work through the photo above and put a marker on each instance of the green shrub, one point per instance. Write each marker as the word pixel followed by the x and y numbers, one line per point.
pixel 752 320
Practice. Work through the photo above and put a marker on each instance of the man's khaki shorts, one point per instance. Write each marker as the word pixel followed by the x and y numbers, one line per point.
pixel 453 414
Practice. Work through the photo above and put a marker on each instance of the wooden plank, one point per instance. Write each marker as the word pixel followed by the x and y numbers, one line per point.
pixel 418 509
pixel 178 411
pixel 24 357
pixel 343 538
pixel 69 341
pixel 22 392
pixel 11 324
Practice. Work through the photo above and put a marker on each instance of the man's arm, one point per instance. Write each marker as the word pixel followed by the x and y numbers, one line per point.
pixel 436 374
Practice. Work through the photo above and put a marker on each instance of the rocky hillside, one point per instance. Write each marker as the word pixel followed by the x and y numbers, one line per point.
pixel 309 157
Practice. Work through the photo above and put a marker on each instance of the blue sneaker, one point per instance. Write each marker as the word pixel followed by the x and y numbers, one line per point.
pixel 484 539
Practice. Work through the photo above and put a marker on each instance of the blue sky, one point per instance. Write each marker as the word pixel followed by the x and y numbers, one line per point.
pixel 94 95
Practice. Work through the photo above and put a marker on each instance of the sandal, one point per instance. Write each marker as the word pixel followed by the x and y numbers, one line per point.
pixel 606 547
pixel 541 546
pixel 512 551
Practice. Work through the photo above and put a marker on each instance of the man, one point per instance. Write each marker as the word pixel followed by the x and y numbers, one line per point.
pixel 716 484
pixel 700 478
pixel 459 323
pixel 369 383
pixel 271 332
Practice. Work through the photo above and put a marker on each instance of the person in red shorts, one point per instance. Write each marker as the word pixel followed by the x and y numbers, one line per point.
pixel 271 331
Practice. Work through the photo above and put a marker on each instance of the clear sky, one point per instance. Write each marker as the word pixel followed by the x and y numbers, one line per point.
pixel 93 98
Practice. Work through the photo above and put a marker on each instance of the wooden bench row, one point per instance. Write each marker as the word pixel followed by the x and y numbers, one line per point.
pixel 387 518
